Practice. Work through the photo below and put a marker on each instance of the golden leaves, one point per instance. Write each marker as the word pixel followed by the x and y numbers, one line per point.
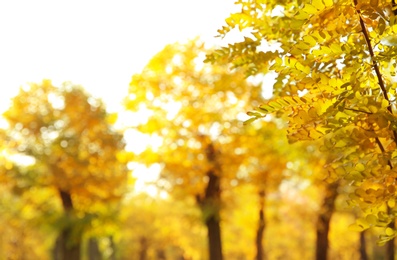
pixel 314 8
pixel 203 135
pixel 68 135
pixel 327 88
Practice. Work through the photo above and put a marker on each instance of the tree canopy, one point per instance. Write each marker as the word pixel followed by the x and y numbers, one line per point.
pixel 334 63
pixel 69 139
pixel 60 142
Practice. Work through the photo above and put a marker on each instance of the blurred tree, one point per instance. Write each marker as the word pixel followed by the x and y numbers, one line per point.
pixel 265 167
pixel 188 106
pixel 66 141
pixel 192 109
pixel 327 184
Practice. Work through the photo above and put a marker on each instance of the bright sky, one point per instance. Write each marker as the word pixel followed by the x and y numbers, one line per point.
pixel 98 44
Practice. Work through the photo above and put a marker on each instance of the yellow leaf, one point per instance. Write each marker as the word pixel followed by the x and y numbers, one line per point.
pixel 391 203
pixel 359 167
pixel 381 26
pixel 328 3
pixel 301 16
pixel 310 40
pixel 389 231
pixel 357 228
pixel 340 144
pixel 361 222
pixel 318 4
pixel 371 219
pixel 310 9
pixel 336 48
pixel 385 103
pixel 303 46
pixel 312 112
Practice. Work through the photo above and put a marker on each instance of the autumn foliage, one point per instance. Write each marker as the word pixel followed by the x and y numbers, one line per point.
pixel 335 66
pixel 305 173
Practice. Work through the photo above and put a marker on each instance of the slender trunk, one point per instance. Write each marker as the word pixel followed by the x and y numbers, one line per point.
pixel 210 206
pixel 66 246
pixel 261 227
pixel 390 246
pixel 160 253
pixel 214 238
pixel 363 247
pixel 113 247
pixel 323 221
pixel 93 249
pixel 67 202
pixel 143 248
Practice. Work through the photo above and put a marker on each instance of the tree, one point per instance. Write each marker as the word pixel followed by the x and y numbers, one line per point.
pixel 334 64
pixel 327 188
pixel 267 167
pixel 192 109
pixel 66 140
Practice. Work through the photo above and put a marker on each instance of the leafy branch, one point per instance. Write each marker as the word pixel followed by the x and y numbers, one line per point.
pixel 377 72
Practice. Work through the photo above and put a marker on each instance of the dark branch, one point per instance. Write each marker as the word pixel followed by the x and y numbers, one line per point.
pixel 382 149
pixel 375 66
pixel 358 111
pixel 371 53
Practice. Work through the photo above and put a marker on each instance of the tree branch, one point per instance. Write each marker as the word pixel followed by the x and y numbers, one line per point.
pixel 358 111
pixel 371 53
pixel 375 66
pixel 382 149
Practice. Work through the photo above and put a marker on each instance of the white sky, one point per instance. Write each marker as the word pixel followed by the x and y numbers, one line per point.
pixel 98 44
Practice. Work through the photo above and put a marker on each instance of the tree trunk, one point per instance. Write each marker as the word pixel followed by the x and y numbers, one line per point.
pixel 323 221
pixel 214 237
pixel 210 206
pixel 363 247
pixel 143 248
pixel 160 254
pixel 66 246
pixel 67 202
pixel 261 227
pixel 113 247
pixel 93 249
pixel 390 246
pixel 66 249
